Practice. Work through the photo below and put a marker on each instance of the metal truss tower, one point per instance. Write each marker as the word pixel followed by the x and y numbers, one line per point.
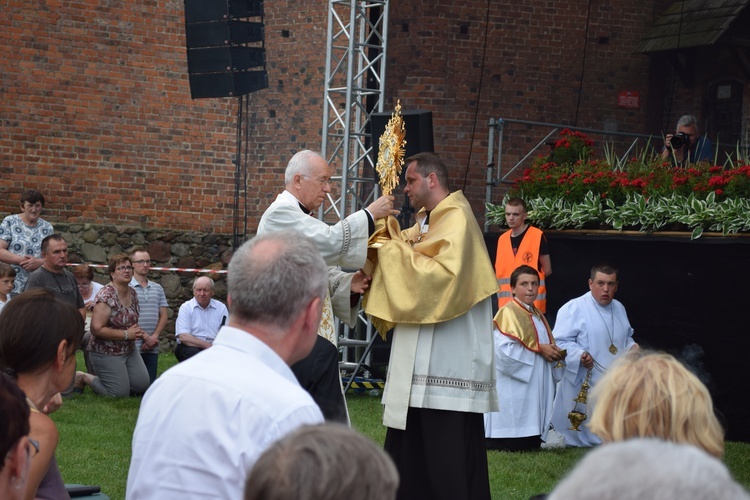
pixel 354 91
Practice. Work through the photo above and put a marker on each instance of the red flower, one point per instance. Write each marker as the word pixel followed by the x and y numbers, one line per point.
pixel 717 180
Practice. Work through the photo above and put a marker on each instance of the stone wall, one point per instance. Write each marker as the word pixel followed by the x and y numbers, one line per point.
pixel 94 244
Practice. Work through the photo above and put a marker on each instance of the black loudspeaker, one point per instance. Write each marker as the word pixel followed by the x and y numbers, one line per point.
pixel 231 83
pixel 225 52
pixel 222 33
pixel 418 125
pixel 199 11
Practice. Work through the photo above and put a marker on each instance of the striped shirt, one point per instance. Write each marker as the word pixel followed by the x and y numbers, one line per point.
pixel 150 298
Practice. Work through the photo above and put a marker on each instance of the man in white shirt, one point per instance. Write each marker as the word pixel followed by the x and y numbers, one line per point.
pixel 204 422
pixel 198 320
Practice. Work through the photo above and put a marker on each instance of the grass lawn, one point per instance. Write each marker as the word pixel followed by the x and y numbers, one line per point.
pixel 95 437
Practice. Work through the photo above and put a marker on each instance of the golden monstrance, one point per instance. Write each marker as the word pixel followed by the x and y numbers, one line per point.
pixel 391 152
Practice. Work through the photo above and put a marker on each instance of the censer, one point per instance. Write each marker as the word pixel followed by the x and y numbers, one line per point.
pixel 563 354
pixel 577 417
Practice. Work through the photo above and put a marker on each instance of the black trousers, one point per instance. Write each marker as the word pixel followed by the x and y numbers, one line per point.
pixel 318 374
pixel 183 352
pixel 514 444
pixel 440 455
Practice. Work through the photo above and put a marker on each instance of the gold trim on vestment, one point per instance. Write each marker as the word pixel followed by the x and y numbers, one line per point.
pixel 515 321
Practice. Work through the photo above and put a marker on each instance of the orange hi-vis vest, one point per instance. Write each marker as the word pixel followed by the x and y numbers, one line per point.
pixel 506 263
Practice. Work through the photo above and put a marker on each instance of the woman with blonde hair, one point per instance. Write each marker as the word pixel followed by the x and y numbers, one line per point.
pixel 651 394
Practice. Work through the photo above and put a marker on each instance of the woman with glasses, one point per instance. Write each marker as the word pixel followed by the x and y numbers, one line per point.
pixel 88 288
pixel 39 335
pixel 86 285
pixel 119 369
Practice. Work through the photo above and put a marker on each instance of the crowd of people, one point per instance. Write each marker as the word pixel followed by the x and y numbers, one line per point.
pixel 255 407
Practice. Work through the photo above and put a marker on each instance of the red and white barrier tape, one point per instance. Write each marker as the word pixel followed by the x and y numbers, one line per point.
pixel 168 269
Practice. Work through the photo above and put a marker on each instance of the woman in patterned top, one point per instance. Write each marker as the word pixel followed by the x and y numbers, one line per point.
pixel 119 368
pixel 21 238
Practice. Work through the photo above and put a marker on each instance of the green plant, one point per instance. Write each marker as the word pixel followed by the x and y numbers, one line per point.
pixel 571 148
pixel 575 190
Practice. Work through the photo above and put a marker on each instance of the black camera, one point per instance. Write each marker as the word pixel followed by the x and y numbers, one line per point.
pixel 679 140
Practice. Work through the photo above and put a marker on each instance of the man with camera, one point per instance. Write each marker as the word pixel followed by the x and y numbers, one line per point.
pixel 686 145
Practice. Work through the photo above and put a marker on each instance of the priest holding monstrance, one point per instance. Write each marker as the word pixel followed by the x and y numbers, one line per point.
pixel 433 282
pixel 307 183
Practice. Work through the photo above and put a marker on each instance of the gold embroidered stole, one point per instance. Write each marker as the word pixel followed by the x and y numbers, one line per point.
pixel 515 321
pixel 433 280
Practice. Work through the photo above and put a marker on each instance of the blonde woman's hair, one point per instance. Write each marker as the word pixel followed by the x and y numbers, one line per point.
pixel 651 394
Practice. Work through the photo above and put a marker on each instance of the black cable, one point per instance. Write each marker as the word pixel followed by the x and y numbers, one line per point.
pixel 583 63
pixel 245 164
pixel 237 173
pixel 479 92
pixel 674 68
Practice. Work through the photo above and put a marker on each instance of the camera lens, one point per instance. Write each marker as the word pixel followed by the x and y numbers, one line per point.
pixel 679 140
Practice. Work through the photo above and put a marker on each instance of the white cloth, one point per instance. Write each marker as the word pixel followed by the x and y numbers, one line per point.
pixel 205 421
pixel 95 287
pixel 342 244
pixel 201 323
pixel 584 325
pixel 525 388
pixel 453 366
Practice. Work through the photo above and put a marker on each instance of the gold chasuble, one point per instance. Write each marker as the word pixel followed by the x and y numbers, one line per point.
pixel 432 274
pixel 515 321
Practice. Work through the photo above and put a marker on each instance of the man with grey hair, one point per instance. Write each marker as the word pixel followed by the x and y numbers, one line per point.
pixel 198 320
pixel 686 145
pixel 643 469
pixel 307 183
pixel 324 462
pixel 205 422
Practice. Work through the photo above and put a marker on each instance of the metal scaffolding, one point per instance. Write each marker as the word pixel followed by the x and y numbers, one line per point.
pixel 354 91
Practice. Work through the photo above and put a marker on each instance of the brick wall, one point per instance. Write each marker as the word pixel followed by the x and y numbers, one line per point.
pixel 96 105
pixel 96 110
pixel 520 60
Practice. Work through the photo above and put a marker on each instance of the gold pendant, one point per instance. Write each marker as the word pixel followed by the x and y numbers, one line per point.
pixel 612 349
